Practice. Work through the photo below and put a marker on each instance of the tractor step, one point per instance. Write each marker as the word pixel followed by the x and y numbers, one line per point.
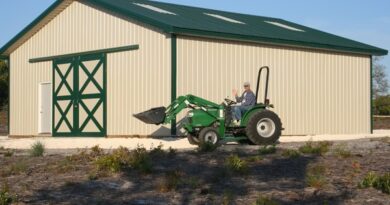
pixel 154 116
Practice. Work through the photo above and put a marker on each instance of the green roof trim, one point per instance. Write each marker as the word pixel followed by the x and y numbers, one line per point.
pixel 193 21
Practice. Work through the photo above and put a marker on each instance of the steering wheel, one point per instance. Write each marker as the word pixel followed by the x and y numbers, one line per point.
pixel 230 102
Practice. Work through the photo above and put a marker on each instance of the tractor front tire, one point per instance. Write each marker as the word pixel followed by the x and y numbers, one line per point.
pixel 193 139
pixel 209 135
pixel 264 128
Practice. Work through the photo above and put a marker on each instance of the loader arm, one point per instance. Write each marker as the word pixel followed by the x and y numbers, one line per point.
pixel 188 101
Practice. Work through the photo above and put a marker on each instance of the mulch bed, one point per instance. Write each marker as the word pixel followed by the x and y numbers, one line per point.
pixel 202 178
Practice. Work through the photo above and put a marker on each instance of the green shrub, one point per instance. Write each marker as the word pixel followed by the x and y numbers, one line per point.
pixel 37 149
pixel 319 148
pixel 291 153
pixel 207 147
pixel 263 200
pixel 378 182
pixel 267 150
pixel 315 176
pixel 236 165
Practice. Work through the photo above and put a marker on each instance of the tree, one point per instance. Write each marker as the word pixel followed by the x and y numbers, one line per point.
pixel 3 83
pixel 380 83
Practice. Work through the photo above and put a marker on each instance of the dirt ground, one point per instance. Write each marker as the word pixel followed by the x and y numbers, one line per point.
pixel 3 122
pixel 192 177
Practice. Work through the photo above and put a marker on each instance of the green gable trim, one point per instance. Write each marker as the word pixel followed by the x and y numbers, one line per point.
pixel 108 50
pixel 173 78
pixel 30 26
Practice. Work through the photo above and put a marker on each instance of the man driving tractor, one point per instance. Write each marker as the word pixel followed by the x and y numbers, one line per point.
pixel 247 100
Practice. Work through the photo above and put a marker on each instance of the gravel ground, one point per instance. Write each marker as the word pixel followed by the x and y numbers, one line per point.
pixel 203 178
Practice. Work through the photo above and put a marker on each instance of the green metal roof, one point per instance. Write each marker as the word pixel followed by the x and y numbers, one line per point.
pixel 187 20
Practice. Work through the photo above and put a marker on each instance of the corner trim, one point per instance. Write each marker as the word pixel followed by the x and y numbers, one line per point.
pixel 108 50
pixel 173 78
pixel 371 96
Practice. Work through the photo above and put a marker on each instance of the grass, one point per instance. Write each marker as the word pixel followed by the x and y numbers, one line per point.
pixel 263 200
pixel 5 197
pixel 228 197
pixel 342 151
pixel 9 153
pixel 16 168
pixel 236 165
pixel 37 149
pixel 319 148
pixel 315 176
pixel 254 159
pixel 267 150
pixel 378 182
pixel 291 153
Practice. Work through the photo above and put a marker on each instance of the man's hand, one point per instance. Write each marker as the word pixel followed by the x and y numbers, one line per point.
pixel 235 92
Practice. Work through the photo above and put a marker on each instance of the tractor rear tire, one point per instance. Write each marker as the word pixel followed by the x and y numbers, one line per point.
pixel 193 139
pixel 264 127
pixel 209 135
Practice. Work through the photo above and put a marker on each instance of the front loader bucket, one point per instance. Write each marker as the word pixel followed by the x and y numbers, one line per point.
pixel 154 116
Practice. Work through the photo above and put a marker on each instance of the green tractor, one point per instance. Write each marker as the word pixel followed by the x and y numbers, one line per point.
pixel 209 122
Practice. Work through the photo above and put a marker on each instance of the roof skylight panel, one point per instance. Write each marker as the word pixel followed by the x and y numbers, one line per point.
pixel 224 18
pixel 153 8
pixel 284 26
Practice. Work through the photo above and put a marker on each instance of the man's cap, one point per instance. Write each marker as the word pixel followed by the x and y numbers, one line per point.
pixel 247 84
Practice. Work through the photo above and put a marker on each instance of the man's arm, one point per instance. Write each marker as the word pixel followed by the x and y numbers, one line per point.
pixel 239 99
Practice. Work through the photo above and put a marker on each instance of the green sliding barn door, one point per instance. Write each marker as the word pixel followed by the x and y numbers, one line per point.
pixel 79 96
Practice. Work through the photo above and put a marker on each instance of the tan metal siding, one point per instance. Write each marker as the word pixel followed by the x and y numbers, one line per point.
pixel 136 80
pixel 314 92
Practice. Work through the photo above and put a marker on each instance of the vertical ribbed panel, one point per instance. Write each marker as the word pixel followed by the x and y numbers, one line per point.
pixel 136 80
pixel 314 92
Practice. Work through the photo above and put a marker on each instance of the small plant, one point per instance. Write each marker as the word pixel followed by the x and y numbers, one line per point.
pixel 172 152
pixel 315 176
pixel 315 148
pixel 37 149
pixel 263 200
pixel 92 176
pixel 254 158
pixel 96 151
pixel 207 147
pixel 170 181
pixel 157 151
pixel 267 150
pixel 378 182
pixel 342 152
pixel 236 165
pixel 291 153
pixel 5 197
pixel 192 182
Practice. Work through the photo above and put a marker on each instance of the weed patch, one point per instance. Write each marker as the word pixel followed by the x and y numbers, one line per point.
pixel 5 197
pixel 236 165
pixel 263 200
pixel 291 153
pixel 267 150
pixel 378 182
pixel 342 152
pixel 319 148
pixel 170 181
pixel 315 176
pixel 37 149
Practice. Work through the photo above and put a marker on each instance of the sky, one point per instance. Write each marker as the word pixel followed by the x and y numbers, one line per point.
pixel 361 20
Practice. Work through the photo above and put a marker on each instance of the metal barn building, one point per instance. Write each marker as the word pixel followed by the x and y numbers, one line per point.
pixel 82 68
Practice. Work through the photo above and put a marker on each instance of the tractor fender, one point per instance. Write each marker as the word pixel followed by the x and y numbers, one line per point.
pixel 249 113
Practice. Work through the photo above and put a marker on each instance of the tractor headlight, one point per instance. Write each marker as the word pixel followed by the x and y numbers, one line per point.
pixel 190 114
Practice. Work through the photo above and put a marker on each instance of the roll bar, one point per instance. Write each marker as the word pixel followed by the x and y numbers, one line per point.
pixel 266 68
